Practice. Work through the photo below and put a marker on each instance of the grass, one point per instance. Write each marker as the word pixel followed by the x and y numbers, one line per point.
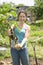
pixel 5 54
pixel 36 33
pixel 39 51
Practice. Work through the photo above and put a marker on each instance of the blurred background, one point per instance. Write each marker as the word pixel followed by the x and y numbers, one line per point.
pixel 9 10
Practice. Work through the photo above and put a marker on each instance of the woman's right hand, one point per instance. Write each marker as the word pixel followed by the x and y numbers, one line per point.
pixel 17 46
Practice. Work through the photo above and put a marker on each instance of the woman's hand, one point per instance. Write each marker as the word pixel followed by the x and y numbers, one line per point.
pixel 17 46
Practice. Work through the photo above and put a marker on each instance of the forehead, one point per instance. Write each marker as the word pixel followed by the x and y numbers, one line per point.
pixel 22 14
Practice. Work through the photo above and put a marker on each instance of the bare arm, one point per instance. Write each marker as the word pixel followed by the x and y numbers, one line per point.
pixel 26 36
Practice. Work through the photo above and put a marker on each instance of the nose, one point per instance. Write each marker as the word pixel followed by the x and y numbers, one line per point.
pixel 22 18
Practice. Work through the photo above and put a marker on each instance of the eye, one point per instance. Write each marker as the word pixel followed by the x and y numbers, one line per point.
pixel 23 16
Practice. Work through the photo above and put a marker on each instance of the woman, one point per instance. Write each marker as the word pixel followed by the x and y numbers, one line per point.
pixel 19 50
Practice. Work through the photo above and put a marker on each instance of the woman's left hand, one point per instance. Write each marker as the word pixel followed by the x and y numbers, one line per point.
pixel 18 46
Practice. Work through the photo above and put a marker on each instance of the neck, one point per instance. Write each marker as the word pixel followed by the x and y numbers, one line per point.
pixel 21 24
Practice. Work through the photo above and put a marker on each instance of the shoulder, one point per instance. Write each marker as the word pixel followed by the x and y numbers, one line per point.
pixel 27 26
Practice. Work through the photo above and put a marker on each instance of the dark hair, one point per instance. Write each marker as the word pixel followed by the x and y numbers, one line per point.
pixel 22 11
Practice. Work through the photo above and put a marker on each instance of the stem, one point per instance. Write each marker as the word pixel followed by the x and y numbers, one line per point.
pixel 35 55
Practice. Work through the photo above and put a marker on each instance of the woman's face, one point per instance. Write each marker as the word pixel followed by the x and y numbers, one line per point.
pixel 22 17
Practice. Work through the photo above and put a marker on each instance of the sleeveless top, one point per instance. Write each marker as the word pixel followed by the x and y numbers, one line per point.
pixel 20 35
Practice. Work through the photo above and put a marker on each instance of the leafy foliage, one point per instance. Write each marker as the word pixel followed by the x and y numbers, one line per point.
pixel 6 10
pixel 39 8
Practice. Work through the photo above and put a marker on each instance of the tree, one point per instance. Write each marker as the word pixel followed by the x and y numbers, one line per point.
pixel 39 7
pixel 39 3
pixel 5 11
